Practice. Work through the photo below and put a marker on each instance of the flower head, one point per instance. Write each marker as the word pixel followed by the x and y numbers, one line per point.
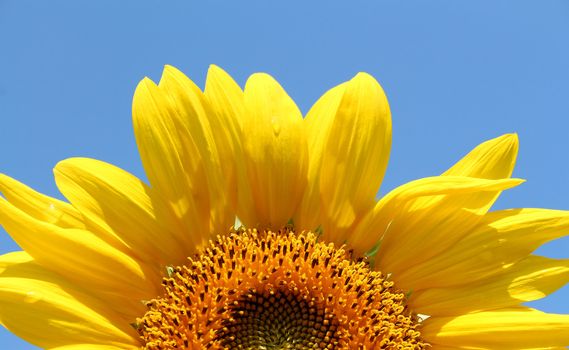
pixel 318 262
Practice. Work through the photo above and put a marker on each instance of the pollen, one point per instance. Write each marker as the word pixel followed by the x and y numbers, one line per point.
pixel 268 290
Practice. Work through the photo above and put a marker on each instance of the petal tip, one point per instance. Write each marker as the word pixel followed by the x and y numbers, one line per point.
pixel 145 83
pixel 215 72
pixel 512 138
pixel 512 143
pixel 171 70
pixel 214 68
pixel 366 78
pixel 261 76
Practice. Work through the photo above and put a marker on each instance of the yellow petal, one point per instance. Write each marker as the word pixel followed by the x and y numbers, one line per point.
pixel 82 257
pixel 427 226
pixel 317 123
pixel 493 159
pixel 500 239
pixel 412 211
pixel 530 279
pixel 355 155
pixel 123 208
pixel 275 154
pixel 506 329
pixel 226 99
pixel 172 162
pixel 194 113
pixel 39 206
pixel 227 104
pixel 48 311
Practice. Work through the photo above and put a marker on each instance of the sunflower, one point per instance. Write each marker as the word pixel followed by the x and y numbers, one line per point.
pixel 316 263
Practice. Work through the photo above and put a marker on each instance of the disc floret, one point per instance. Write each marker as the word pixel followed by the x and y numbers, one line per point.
pixel 278 290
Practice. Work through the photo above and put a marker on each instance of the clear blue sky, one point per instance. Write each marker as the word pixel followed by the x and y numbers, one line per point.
pixel 456 73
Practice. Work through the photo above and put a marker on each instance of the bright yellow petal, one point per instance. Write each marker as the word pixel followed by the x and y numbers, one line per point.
pixel 506 329
pixel 425 227
pixel 227 102
pixel 276 157
pixel 194 113
pixel 500 239
pixel 83 258
pixel 123 208
pixel 493 159
pixel 318 122
pixel 48 311
pixel 172 162
pixel 438 218
pixel 530 279
pixel 405 218
pixel 444 220
pixel 355 155
pixel 39 206
pixel 226 99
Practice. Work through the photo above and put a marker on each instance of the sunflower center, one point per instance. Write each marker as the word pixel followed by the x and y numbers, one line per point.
pixel 277 320
pixel 278 290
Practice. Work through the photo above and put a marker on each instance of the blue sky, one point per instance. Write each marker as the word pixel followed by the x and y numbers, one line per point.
pixel 456 73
